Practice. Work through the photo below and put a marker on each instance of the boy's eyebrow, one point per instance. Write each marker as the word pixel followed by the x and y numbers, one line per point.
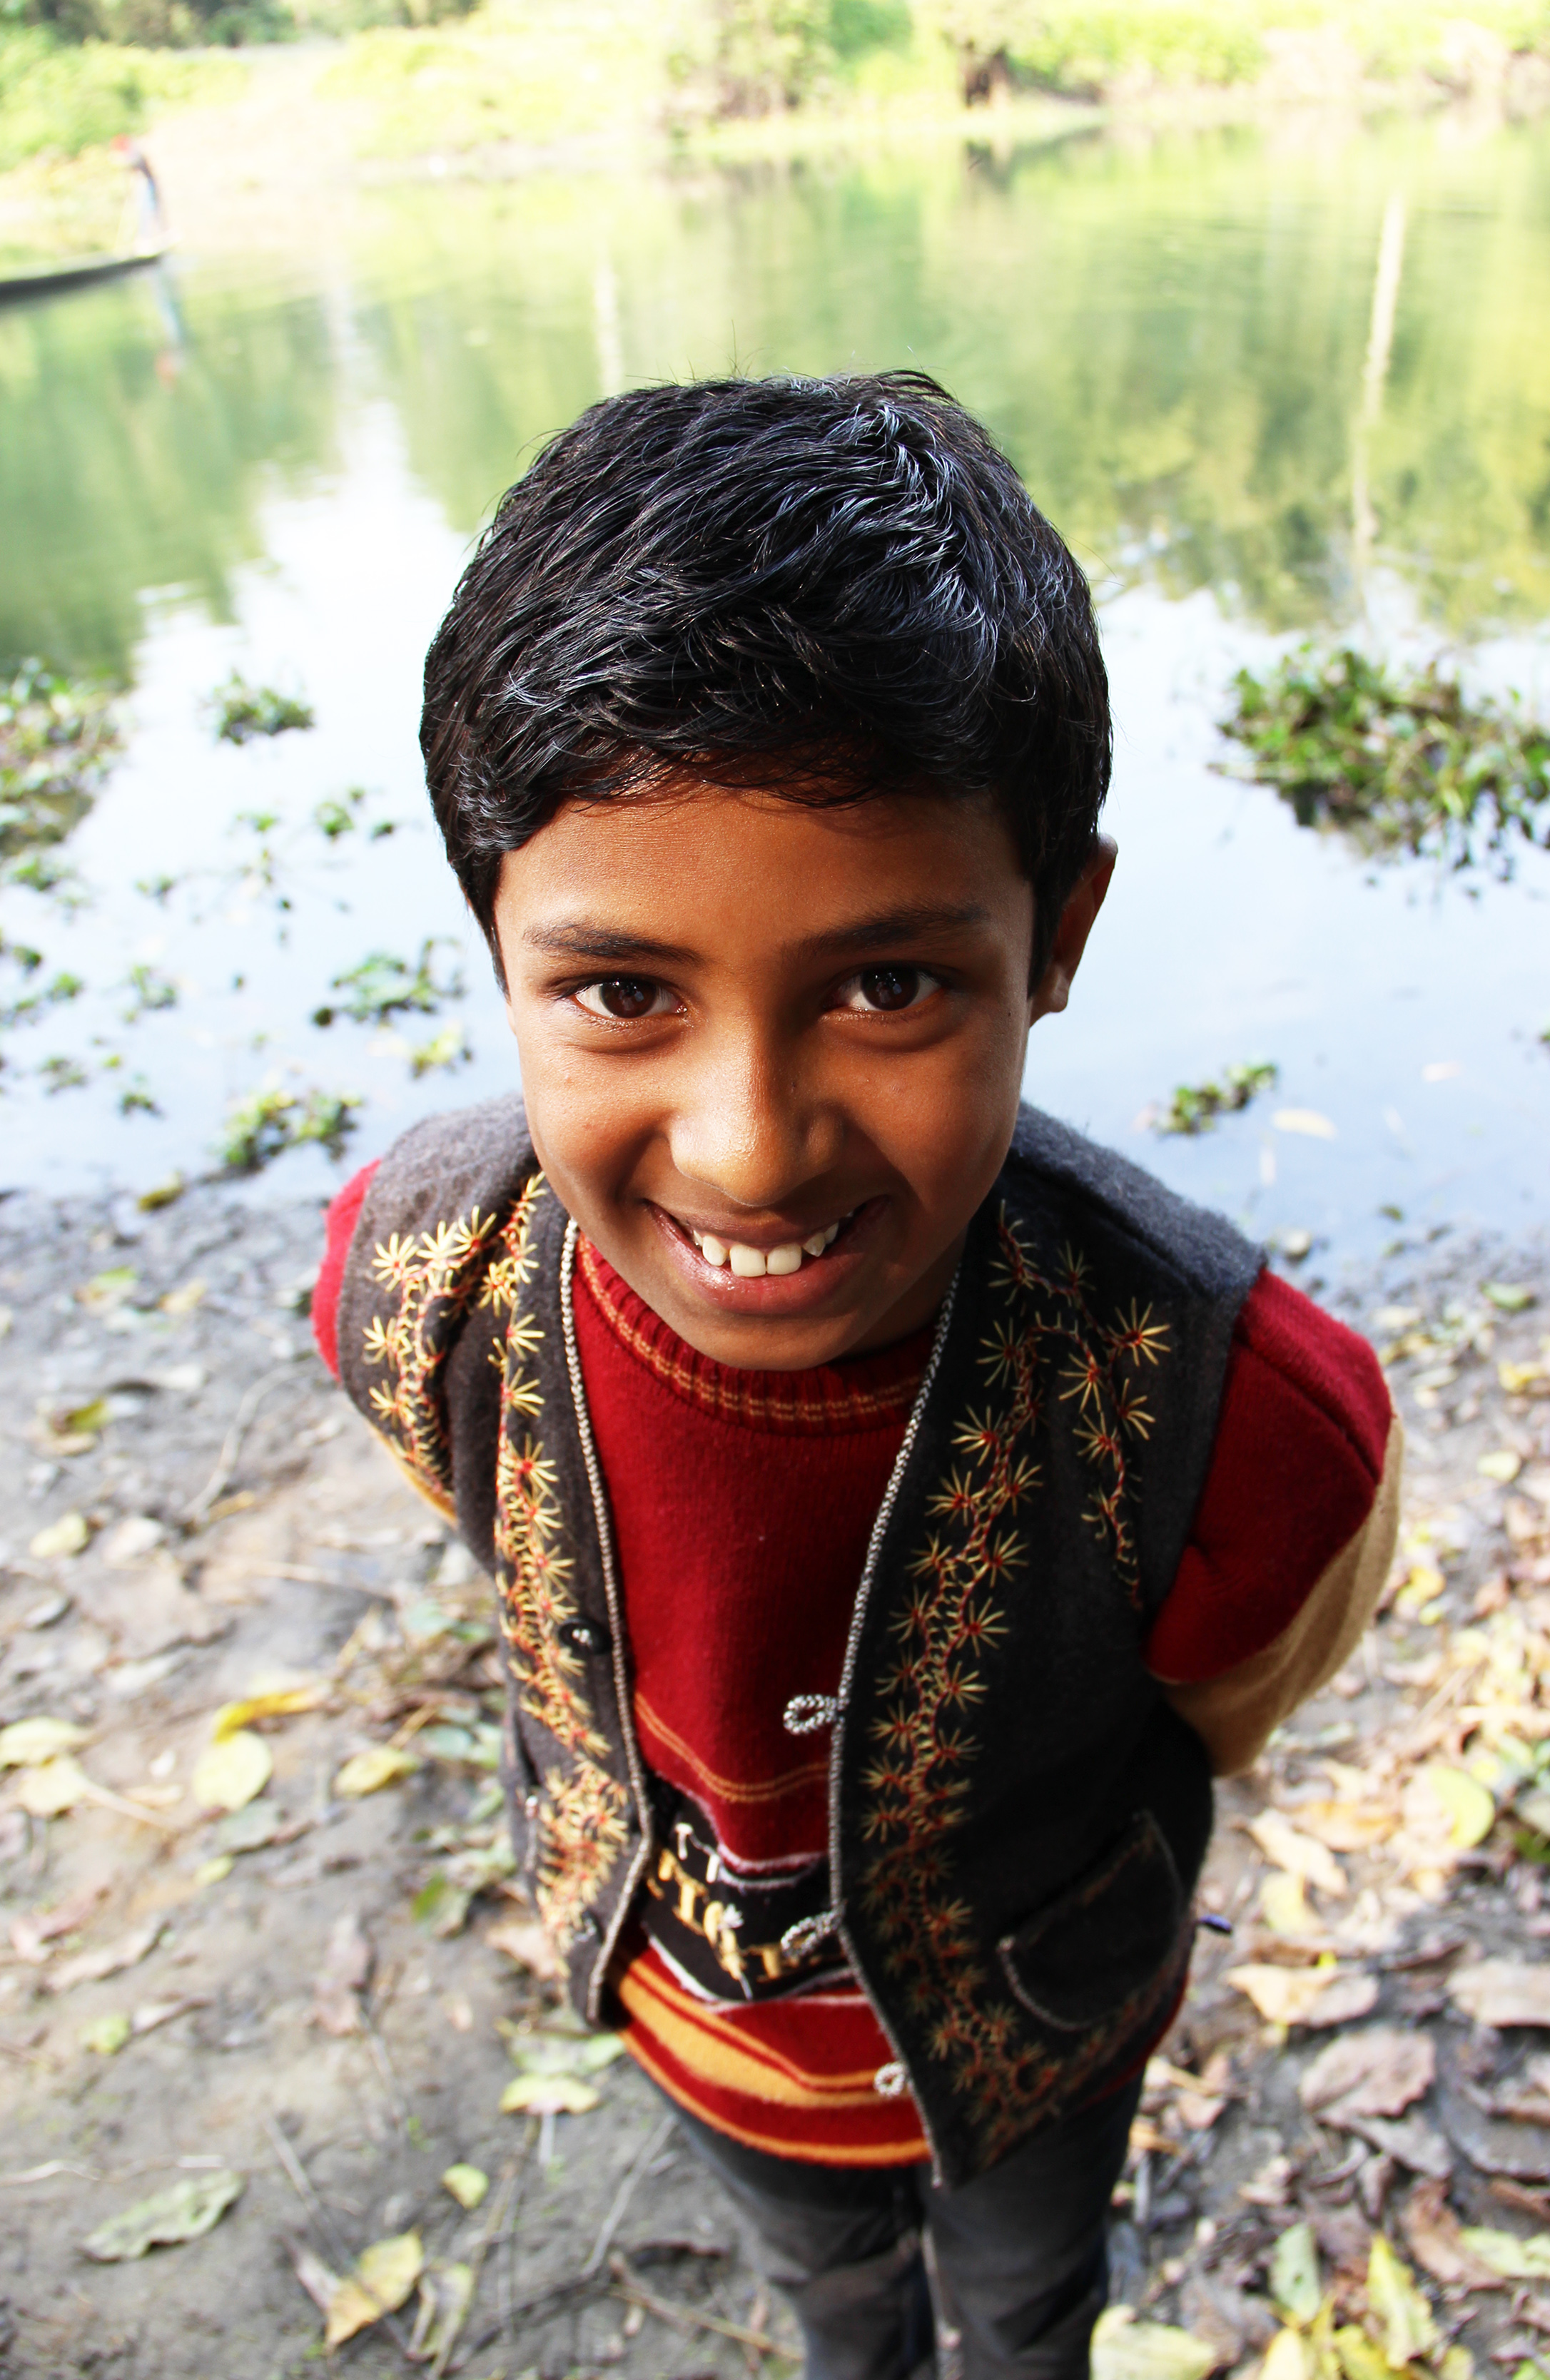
pixel 897 926
pixel 609 945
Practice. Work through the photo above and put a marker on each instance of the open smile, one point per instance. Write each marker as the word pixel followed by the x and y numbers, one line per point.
pixel 805 1270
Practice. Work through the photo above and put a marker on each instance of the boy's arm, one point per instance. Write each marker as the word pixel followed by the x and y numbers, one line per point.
pixel 1295 1532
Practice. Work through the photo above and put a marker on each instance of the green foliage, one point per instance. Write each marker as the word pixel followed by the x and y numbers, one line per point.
pixel 57 740
pixel 1195 1107
pixel 383 986
pixel 1400 763
pixel 243 711
pixel 271 1120
pixel 62 95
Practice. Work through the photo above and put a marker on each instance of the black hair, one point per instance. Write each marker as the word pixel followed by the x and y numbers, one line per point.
pixel 828 588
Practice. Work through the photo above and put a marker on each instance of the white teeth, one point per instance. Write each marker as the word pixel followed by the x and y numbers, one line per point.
pixel 815 1245
pixel 747 1263
pixel 697 1237
pixel 714 1251
pixel 784 1260
pixel 831 1235
pixel 752 1263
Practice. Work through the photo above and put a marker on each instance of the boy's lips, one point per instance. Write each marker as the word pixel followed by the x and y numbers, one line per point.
pixel 774 1270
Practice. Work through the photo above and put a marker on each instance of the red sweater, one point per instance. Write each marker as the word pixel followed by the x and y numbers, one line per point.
pixel 741 1503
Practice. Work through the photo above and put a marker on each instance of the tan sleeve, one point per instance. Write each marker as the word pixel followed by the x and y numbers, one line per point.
pixel 1235 1714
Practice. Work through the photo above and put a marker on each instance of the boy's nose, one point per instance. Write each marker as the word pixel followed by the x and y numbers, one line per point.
pixel 754 1130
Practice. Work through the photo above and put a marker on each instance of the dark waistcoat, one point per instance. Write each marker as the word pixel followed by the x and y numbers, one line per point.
pixel 1017 1816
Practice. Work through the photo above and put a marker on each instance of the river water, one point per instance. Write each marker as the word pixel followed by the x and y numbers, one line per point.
pixel 1270 387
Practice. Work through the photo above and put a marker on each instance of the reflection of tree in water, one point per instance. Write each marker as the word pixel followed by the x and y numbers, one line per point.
pixel 116 476
pixel 1173 338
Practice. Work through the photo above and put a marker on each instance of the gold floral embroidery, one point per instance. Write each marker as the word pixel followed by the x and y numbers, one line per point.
pixel 952 1616
pixel 436 1276
pixel 582 1818
pixel 480 1263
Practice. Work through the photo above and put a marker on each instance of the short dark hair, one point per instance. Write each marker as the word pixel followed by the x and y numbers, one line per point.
pixel 830 588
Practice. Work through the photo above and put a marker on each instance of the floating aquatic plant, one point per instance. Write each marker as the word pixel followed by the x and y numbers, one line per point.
pixel 384 985
pixel 271 1120
pixel 57 739
pixel 1194 1107
pixel 1399 762
pixel 243 711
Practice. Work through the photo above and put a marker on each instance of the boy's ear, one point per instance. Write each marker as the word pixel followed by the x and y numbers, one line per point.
pixel 1082 904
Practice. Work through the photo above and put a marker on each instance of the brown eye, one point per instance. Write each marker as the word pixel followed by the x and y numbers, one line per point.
pixel 623 996
pixel 889 988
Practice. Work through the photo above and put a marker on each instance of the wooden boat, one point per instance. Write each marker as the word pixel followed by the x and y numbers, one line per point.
pixel 79 273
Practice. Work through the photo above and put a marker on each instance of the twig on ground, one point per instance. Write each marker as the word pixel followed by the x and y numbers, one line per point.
pixel 295 2173
pixel 198 1512
pixel 623 2195
pixel 494 2225
pixel 46 2173
pixel 683 2317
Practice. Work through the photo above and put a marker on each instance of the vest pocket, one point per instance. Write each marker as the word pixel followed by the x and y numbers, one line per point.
pixel 1085 1955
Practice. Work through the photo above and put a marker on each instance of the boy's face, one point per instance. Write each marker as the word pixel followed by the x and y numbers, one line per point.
pixel 772 1054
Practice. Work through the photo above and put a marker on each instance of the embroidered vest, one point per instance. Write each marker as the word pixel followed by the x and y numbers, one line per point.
pixel 1017 1816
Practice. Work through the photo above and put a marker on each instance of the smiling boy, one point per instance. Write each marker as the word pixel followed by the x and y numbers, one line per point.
pixel 897 1506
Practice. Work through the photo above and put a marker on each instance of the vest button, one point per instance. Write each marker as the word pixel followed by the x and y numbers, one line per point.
pixel 891 2082
pixel 584 1636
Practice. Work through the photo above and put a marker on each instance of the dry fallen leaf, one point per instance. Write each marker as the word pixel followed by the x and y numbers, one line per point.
pixel 369 1771
pixel 1377 2072
pixel 549 2094
pixel 1503 1991
pixel 1287 1847
pixel 232 1771
pixel 28 1743
pixel 445 2295
pixel 523 1939
pixel 32 1934
pixel 70 1535
pixel 1294 2274
pixel 1347 1825
pixel 1469 1806
pixel 185 2212
pixel 1311 1995
pixel 1436 2239
pixel 107 2034
pixel 1124 2349
pixel 382 2279
pixel 90 1966
pixel 56 1786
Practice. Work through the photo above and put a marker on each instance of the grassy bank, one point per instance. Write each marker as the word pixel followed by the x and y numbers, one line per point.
pixel 60 98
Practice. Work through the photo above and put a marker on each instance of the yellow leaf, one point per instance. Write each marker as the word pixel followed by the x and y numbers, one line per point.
pixel 282 1704
pixel 1347 1825
pixel 1287 1847
pixel 1124 2349
pixel 183 1300
pixel 1284 1906
pixel 1409 2332
pixel 56 1786
pixel 468 2185
pixel 1501 1464
pixel 1471 1810
pixel 214 1871
pixel 232 1772
pixel 1514 2259
pixel 549 2094
pixel 382 2280
pixel 1288 2357
pixel 1305 1994
pixel 27 1743
pixel 368 1772
pixel 107 2034
pixel 1422 1585
pixel 68 1534
pixel 1359 2359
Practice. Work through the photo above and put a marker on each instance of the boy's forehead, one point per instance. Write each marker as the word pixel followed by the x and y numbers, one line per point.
pixel 670 868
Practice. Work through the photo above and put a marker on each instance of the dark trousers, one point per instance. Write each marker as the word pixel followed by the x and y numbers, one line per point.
pixel 1007 2275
